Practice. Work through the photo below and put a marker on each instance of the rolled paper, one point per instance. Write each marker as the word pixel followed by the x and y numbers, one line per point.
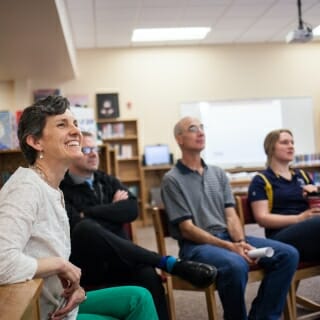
pixel 261 252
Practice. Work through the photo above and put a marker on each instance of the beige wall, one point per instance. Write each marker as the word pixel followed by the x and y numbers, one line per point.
pixel 6 95
pixel 157 80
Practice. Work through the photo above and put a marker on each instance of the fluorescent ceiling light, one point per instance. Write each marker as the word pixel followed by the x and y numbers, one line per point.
pixel 169 34
pixel 316 31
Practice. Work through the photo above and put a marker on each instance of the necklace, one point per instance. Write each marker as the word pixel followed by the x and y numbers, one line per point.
pixel 45 178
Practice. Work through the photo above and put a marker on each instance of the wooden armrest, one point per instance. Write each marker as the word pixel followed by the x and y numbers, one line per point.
pixel 20 300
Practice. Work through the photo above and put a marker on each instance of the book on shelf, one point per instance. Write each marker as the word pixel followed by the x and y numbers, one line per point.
pixel 126 151
pixel 118 130
pixel 111 130
pixel 315 176
pixel 309 159
pixel 104 131
pixel 123 151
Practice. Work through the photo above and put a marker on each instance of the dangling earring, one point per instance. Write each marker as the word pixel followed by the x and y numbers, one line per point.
pixel 41 155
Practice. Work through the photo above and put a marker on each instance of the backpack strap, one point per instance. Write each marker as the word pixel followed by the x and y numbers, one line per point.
pixel 305 176
pixel 269 190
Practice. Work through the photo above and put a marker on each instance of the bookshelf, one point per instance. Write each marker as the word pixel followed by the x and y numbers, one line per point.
pixel 122 137
pixel 108 160
pixel 240 185
pixel 10 160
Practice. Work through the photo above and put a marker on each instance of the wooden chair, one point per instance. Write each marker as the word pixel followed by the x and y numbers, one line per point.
pixel 160 222
pixel 21 300
pixel 131 230
pixel 305 270
pixel 172 282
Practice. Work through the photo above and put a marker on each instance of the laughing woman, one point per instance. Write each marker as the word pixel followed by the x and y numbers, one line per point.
pixel 34 228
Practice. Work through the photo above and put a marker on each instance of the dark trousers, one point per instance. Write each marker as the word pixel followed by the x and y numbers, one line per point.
pixel 108 260
pixel 304 236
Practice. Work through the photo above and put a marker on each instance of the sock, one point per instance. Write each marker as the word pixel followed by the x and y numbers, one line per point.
pixel 167 263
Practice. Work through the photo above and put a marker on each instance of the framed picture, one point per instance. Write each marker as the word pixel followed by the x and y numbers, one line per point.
pixel 107 105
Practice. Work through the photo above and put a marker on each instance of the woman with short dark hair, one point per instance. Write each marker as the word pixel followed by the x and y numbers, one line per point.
pixel 34 227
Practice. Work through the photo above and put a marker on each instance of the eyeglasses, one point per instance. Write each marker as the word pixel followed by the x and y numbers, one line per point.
pixel 88 150
pixel 196 129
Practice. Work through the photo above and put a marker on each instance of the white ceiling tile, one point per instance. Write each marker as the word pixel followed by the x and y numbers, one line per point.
pixel 163 3
pixel 234 23
pixel 107 4
pixel 156 24
pixel 78 4
pixel 195 22
pixel 164 13
pixel 209 2
pixel 231 20
pixel 204 12
pixel 82 15
pixel 115 14
pixel 247 10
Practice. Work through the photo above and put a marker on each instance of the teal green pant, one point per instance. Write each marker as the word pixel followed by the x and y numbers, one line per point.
pixel 125 303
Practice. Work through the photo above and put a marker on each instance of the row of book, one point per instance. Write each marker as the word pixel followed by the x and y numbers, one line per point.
pixel 123 151
pixel 111 130
pixel 315 176
pixel 309 159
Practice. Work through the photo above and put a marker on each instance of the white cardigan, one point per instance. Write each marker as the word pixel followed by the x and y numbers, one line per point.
pixel 33 224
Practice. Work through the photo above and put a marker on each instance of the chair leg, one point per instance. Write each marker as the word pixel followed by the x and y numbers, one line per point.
pixel 170 299
pixel 211 303
pixel 304 302
pixel 288 310
pixel 307 303
pixel 292 300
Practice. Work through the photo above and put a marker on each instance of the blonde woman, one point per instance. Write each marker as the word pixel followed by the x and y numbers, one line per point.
pixel 278 199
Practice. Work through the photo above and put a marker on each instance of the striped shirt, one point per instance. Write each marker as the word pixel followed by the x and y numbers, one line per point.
pixel 202 198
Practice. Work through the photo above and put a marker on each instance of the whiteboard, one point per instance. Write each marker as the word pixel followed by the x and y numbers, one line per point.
pixel 235 130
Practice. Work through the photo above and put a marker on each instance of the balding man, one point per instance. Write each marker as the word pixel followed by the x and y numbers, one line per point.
pixel 201 210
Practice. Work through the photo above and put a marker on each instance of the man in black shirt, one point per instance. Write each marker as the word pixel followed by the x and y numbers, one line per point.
pixel 98 206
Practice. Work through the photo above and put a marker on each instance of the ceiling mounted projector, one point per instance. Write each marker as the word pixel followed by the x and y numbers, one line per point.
pixel 299 36
pixel 303 33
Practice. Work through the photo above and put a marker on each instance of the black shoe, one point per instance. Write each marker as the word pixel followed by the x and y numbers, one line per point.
pixel 199 274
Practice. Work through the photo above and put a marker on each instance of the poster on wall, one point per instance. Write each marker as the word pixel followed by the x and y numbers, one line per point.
pixel 107 105
pixel 85 118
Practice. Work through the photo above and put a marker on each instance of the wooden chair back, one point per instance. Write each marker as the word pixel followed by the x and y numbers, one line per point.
pixel 244 210
pixel 160 223
pixel 131 231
